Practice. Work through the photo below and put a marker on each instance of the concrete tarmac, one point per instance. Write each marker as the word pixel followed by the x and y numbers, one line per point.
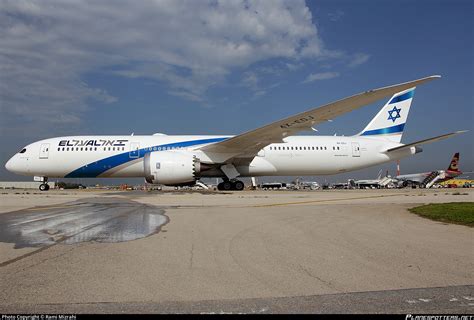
pixel 330 251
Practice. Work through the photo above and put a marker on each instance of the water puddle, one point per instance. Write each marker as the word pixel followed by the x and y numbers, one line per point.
pixel 94 219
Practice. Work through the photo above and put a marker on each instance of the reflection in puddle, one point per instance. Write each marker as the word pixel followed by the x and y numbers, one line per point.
pixel 95 219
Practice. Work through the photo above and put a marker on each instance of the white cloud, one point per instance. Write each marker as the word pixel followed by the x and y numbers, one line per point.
pixel 320 76
pixel 336 16
pixel 358 59
pixel 253 80
pixel 50 46
pixel 250 80
pixel 293 66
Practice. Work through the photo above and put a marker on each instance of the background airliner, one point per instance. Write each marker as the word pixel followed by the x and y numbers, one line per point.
pixel 427 179
pixel 269 150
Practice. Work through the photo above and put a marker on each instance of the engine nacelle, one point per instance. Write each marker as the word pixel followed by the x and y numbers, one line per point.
pixel 171 167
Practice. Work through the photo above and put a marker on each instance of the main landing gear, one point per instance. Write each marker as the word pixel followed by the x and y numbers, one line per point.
pixel 230 182
pixel 231 185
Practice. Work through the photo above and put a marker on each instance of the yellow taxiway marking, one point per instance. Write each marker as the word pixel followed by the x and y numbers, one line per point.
pixel 316 201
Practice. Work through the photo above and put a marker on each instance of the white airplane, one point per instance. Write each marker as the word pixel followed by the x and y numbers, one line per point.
pixel 427 179
pixel 379 182
pixel 271 150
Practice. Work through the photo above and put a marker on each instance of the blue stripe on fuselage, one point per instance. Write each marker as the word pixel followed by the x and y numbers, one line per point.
pixel 403 97
pixel 96 168
pixel 394 129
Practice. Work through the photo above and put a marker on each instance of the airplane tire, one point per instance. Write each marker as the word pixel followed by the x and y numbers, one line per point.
pixel 227 185
pixel 239 185
pixel 43 187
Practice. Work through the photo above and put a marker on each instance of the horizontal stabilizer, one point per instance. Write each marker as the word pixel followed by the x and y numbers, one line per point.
pixel 417 143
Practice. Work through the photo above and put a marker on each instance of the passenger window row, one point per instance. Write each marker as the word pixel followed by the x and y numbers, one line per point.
pixel 91 149
pixel 164 148
pixel 302 148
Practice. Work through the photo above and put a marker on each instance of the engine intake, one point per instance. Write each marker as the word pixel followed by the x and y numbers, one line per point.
pixel 171 167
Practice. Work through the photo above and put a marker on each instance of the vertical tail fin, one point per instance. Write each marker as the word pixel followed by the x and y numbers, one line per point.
pixel 453 166
pixel 390 121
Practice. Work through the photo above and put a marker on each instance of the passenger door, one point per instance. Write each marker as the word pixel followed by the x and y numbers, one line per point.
pixel 355 149
pixel 44 151
pixel 134 150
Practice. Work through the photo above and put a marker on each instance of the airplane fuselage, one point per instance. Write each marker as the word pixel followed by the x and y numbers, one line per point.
pixel 444 175
pixel 122 156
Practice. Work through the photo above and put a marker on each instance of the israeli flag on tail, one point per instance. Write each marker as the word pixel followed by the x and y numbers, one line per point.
pixel 390 121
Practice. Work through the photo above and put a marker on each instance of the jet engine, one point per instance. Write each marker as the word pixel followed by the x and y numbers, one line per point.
pixel 171 167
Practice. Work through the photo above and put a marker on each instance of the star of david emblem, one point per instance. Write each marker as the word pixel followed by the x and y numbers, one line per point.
pixel 394 114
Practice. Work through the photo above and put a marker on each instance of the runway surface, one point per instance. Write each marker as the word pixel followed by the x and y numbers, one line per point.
pixel 454 300
pixel 241 252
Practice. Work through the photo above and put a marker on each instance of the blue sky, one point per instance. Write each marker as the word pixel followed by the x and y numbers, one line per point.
pixel 211 67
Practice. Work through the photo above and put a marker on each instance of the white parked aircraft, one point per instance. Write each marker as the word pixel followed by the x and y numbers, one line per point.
pixel 379 182
pixel 271 150
pixel 427 179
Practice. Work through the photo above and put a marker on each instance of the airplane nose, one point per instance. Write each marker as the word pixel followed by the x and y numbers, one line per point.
pixel 10 165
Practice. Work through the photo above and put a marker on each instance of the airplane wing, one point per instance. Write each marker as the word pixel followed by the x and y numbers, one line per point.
pixel 425 141
pixel 249 143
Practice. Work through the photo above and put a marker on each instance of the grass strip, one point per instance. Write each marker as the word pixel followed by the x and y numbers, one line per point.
pixel 452 212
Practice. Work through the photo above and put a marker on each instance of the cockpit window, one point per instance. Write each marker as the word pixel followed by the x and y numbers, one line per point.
pixel 23 150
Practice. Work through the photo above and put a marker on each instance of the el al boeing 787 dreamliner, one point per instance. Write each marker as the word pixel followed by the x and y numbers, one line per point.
pixel 271 150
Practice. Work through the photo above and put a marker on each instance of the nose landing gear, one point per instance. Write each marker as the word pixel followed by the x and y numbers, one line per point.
pixel 44 183
pixel 44 187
